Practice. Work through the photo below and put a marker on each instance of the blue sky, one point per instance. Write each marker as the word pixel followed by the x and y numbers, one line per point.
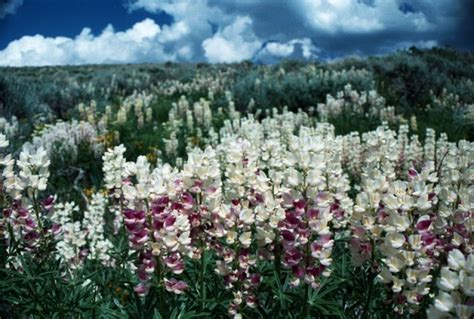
pixel 58 32
pixel 68 17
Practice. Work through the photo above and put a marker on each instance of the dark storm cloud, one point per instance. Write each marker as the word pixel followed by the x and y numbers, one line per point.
pixel 462 34
pixel 448 22
pixel 9 7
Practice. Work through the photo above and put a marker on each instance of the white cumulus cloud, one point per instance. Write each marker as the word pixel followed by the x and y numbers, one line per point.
pixel 280 49
pixel 349 16
pixel 145 41
pixel 296 48
pixel 236 42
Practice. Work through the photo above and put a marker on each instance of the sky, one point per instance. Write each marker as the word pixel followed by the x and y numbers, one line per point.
pixel 63 32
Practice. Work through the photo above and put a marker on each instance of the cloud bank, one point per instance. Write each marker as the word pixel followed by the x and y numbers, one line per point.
pixel 265 31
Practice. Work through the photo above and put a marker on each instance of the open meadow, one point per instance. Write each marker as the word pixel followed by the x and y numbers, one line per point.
pixel 292 190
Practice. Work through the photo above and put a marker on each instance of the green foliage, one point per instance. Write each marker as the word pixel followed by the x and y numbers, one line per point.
pixel 83 171
pixel 407 80
pixel 299 88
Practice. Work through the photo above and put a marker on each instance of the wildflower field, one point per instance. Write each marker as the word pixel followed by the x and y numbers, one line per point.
pixel 295 190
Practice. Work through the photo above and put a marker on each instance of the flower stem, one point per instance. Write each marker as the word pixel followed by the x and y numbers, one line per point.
pixel 369 296
pixel 371 281
pixel 203 279
pixel 161 286
pixel 306 302
pixel 277 260
pixel 307 252
pixel 37 213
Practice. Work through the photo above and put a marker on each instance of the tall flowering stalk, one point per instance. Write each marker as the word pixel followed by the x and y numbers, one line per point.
pixel 409 247
pixel 114 177
pixel 26 218
pixel 93 223
pixel 310 207
pixel 247 219
pixel 71 239
pixel 201 177
pixel 154 206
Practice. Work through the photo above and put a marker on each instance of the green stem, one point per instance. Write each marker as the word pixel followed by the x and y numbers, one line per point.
pixel 344 277
pixel 369 296
pixel 306 302
pixel 95 296
pixel 43 245
pixel 277 260
pixel 371 281
pixel 161 286
pixel 203 279
pixel 306 294
pixel 202 275
pixel 36 209
pixel 307 251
